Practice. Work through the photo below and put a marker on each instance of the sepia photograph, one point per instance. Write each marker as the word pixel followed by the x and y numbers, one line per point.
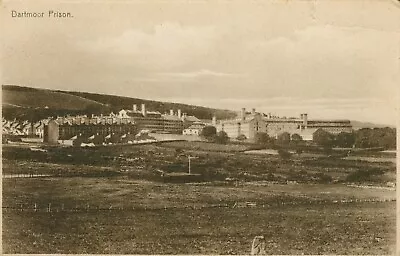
pixel 199 127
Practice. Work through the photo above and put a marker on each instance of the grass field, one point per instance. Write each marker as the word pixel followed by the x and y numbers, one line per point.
pixel 318 229
pixel 107 201
pixel 206 146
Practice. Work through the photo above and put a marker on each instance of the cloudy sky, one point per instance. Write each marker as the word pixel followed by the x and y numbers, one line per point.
pixel 331 59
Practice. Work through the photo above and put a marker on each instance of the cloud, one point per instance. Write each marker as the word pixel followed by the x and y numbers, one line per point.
pixel 166 45
pixel 199 73
pixel 339 108
pixel 325 60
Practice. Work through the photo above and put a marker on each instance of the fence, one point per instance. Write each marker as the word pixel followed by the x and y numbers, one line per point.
pixel 25 175
pixel 51 207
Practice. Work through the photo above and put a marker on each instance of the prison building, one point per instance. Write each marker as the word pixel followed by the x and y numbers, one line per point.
pixel 154 121
pixel 78 120
pixel 194 129
pixel 251 123
pixel 54 131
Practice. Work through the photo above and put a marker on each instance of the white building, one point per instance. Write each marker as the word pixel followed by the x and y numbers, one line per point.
pixel 194 129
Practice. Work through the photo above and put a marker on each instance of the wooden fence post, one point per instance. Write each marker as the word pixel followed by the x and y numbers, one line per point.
pixel 258 246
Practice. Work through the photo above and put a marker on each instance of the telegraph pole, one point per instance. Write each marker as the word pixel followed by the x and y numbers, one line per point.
pixel 190 157
pixel 189 163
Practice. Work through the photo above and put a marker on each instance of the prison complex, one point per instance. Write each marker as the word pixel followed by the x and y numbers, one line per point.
pixel 122 124
pixel 154 121
pixel 251 123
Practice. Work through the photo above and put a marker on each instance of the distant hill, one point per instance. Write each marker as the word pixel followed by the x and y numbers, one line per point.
pixel 359 125
pixel 32 103
pixel 118 102
pixel 26 97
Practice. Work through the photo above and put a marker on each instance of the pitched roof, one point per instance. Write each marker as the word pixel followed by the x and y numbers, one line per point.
pixel 191 119
pixel 170 117
pixel 198 126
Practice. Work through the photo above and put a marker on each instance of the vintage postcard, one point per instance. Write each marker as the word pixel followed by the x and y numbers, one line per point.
pixel 199 127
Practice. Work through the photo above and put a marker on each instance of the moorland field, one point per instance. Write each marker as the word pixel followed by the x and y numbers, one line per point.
pixel 113 199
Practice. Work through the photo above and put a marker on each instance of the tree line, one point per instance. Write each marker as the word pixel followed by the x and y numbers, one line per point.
pixel 364 138
pixel 384 138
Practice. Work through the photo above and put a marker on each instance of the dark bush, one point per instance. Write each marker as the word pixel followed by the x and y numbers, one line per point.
pixel 283 139
pixel 323 138
pixel 178 151
pixel 241 137
pixel 324 178
pixel 209 132
pixel 364 175
pixel 377 137
pixel 284 154
pixel 264 139
pixel 221 137
pixel 271 177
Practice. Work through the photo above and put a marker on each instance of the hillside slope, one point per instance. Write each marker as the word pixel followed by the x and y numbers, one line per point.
pixel 26 97
pixel 22 102
pixel 359 125
pixel 118 102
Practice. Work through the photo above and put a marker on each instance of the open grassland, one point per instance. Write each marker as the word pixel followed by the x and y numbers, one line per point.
pixel 317 229
pixel 206 146
pixel 109 200
pixel 128 193
pixel 143 162
pixel 118 215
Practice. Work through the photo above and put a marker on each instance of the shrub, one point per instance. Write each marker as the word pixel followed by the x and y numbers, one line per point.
pixel 377 137
pixel 284 154
pixel 221 137
pixel 178 151
pixel 364 175
pixel 283 139
pixel 324 178
pixel 296 137
pixel 271 177
pixel 323 138
pixel 345 140
pixel 264 139
pixel 208 132
pixel 241 137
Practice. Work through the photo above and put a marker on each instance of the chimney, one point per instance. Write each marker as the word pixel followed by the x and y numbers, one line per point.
pixel 305 120
pixel 134 108
pixel 214 120
pixel 144 113
pixel 253 111
pixel 243 114
pixel 179 113
pixel 171 112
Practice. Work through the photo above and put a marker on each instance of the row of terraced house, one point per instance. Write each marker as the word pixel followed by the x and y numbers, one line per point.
pixel 23 128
